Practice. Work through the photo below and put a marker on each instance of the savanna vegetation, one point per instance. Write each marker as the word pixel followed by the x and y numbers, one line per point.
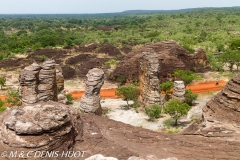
pixel 216 30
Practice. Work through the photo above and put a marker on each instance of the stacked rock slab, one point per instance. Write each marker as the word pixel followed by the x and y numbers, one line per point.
pixel 179 90
pixel 42 83
pixel 149 81
pixel 29 83
pixel 47 87
pixel 45 126
pixel 90 101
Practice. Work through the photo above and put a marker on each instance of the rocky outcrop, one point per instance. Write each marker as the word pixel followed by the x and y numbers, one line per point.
pixel 45 126
pixel 179 90
pixel 90 101
pixel 171 57
pixel 42 83
pixel 149 82
pixel 221 115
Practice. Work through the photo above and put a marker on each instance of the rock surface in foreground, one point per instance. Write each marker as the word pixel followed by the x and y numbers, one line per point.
pixel 90 101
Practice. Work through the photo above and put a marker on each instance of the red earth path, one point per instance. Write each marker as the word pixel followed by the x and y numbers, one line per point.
pixel 196 88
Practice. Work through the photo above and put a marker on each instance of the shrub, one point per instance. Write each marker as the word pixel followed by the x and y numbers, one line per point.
pixel 69 98
pixel 2 108
pixel 190 97
pixel 13 98
pixel 153 112
pixel 2 81
pixel 166 88
pixel 186 76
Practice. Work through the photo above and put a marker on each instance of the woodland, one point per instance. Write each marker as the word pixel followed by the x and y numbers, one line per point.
pixel 216 30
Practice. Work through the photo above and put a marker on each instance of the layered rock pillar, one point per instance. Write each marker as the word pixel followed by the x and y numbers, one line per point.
pixel 179 90
pixel 90 101
pixel 42 83
pixel 149 79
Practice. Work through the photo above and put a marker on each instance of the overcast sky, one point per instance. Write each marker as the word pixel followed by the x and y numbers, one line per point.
pixel 104 6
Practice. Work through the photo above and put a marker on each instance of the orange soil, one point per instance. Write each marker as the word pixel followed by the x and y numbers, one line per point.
pixel 196 88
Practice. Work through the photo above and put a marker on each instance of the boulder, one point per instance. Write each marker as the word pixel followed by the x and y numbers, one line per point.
pixel 90 101
pixel 44 126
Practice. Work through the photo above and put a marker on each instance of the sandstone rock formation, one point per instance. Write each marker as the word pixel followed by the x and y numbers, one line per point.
pixel 41 83
pixel 171 57
pixel 179 90
pixel 221 115
pixel 45 126
pixel 90 101
pixel 149 82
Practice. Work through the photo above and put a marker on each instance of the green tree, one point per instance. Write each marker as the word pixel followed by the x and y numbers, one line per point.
pixel 166 88
pixel 176 109
pixel 2 81
pixel 186 76
pixel 190 97
pixel 153 112
pixel 128 93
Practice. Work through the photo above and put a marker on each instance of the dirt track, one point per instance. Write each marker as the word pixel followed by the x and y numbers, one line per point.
pixel 196 88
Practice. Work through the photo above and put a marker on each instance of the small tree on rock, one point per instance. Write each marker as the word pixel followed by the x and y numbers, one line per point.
pixel 128 93
pixel 176 109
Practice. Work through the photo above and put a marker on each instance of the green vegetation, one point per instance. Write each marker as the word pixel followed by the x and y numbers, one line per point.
pixel 176 109
pixel 69 98
pixel 190 97
pixel 166 88
pixel 128 93
pixel 111 63
pixel 42 57
pixel 2 108
pixel 2 81
pixel 13 98
pixel 186 76
pixel 214 29
pixel 153 112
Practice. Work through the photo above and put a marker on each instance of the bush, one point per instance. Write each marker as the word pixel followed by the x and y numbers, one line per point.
pixel 69 98
pixel 186 76
pixel 153 112
pixel 13 98
pixel 2 81
pixel 190 97
pixel 166 88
